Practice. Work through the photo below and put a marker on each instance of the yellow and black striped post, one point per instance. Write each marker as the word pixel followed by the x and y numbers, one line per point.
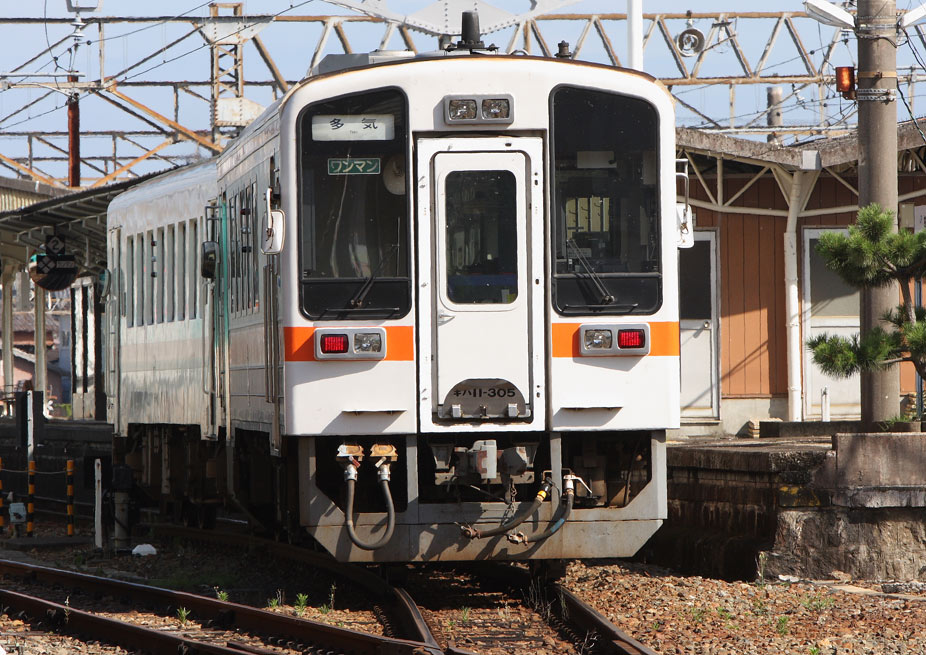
pixel 70 492
pixel 30 501
pixel 1 497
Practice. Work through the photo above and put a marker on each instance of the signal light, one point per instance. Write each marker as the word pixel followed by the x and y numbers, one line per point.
pixel 845 81
pixel 631 339
pixel 334 343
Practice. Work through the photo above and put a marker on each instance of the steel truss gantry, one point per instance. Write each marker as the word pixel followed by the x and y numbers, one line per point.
pixel 169 121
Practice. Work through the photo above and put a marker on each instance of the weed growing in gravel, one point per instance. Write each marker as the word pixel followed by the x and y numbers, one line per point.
pixel 656 626
pixel 276 601
pixel 814 650
pixel 504 612
pixel 698 614
pixel 759 607
pixel 760 567
pixel 781 625
pixel 302 601
pixel 221 595
pixel 327 607
pixel 464 615
pixel 817 602
pixel 183 615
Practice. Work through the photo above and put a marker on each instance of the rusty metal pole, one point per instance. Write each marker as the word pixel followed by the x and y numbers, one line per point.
pixel 73 137
pixel 876 27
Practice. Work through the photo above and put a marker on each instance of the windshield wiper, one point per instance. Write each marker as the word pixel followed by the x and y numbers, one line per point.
pixel 606 297
pixel 364 289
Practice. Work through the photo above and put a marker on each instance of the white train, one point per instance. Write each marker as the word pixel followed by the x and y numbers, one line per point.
pixel 423 308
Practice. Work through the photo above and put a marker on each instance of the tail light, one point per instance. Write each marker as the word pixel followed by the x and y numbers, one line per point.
pixel 631 338
pixel 332 344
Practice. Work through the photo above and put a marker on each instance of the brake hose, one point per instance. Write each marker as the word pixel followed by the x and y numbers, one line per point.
pixel 350 475
pixel 472 533
pixel 521 538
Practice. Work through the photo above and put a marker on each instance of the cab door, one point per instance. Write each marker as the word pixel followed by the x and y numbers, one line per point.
pixel 480 291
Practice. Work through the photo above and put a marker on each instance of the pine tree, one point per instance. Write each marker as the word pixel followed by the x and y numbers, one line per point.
pixel 874 256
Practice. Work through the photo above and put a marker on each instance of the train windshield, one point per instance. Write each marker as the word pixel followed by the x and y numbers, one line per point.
pixel 353 207
pixel 606 203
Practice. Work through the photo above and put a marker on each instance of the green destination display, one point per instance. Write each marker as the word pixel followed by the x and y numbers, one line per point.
pixel 354 166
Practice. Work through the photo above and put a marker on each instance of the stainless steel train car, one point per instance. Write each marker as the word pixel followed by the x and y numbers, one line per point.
pixel 424 308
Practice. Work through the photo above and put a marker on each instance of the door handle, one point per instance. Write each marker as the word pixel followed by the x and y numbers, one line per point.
pixel 444 318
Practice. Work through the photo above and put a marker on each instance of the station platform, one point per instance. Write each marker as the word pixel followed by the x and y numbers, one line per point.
pixel 805 500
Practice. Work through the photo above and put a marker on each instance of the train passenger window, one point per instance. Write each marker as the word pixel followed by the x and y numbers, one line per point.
pixel 130 281
pixel 181 271
pixel 193 268
pixel 147 278
pixel 157 265
pixel 354 208
pixel 169 272
pixel 253 223
pixel 606 238
pixel 482 252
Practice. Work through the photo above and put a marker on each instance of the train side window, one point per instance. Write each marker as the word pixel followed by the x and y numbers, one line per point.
pixel 181 271
pixel 354 207
pixel 253 223
pixel 130 281
pixel 169 275
pixel 233 252
pixel 158 268
pixel 145 288
pixel 606 235
pixel 193 268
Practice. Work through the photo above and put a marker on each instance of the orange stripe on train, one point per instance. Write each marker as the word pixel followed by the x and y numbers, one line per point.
pixel 300 343
pixel 663 339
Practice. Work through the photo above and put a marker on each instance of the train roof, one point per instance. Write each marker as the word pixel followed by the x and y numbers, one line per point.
pixel 202 174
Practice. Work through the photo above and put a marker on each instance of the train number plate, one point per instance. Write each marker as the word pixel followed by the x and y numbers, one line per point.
pixel 482 399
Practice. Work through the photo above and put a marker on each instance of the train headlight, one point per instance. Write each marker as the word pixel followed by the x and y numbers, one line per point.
pixel 496 108
pixel 368 342
pixel 461 109
pixel 598 339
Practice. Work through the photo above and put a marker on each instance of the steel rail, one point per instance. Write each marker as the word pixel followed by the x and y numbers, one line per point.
pixel 400 602
pixel 222 613
pixel 127 635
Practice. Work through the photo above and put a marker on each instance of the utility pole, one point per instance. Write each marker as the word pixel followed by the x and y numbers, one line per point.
pixel 876 29
pixel 73 136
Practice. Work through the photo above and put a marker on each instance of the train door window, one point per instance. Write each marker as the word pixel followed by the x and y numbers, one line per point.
pixel 129 281
pixel 234 251
pixel 158 267
pixel 181 271
pixel 169 274
pixel 482 253
pixel 606 238
pixel 353 207
pixel 247 211
pixel 193 268
pixel 140 269
pixel 253 223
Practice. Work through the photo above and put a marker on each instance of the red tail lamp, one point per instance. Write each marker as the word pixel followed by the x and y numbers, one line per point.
pixel 631 339
pixel 334 343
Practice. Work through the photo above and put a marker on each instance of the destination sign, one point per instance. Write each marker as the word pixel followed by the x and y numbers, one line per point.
pixel 353 127
pixel 354 166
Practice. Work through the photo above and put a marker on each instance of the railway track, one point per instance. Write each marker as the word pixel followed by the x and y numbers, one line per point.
pixel 406 628
pixel 218 629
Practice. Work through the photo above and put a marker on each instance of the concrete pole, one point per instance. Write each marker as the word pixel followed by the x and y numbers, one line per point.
pixel 774 95
pixel 877 129
pixel 6 282
pixel 41 363
pixel 635 34
pixel 792 301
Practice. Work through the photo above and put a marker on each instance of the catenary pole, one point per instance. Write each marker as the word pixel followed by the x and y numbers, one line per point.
pixel 876 28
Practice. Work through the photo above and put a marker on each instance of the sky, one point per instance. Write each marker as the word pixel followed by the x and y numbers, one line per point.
pixel 292 45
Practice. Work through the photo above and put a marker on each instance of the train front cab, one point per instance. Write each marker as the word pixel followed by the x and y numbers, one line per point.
pixel 535 357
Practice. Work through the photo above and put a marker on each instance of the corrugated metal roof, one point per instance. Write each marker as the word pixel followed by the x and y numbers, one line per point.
pixel 80 218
